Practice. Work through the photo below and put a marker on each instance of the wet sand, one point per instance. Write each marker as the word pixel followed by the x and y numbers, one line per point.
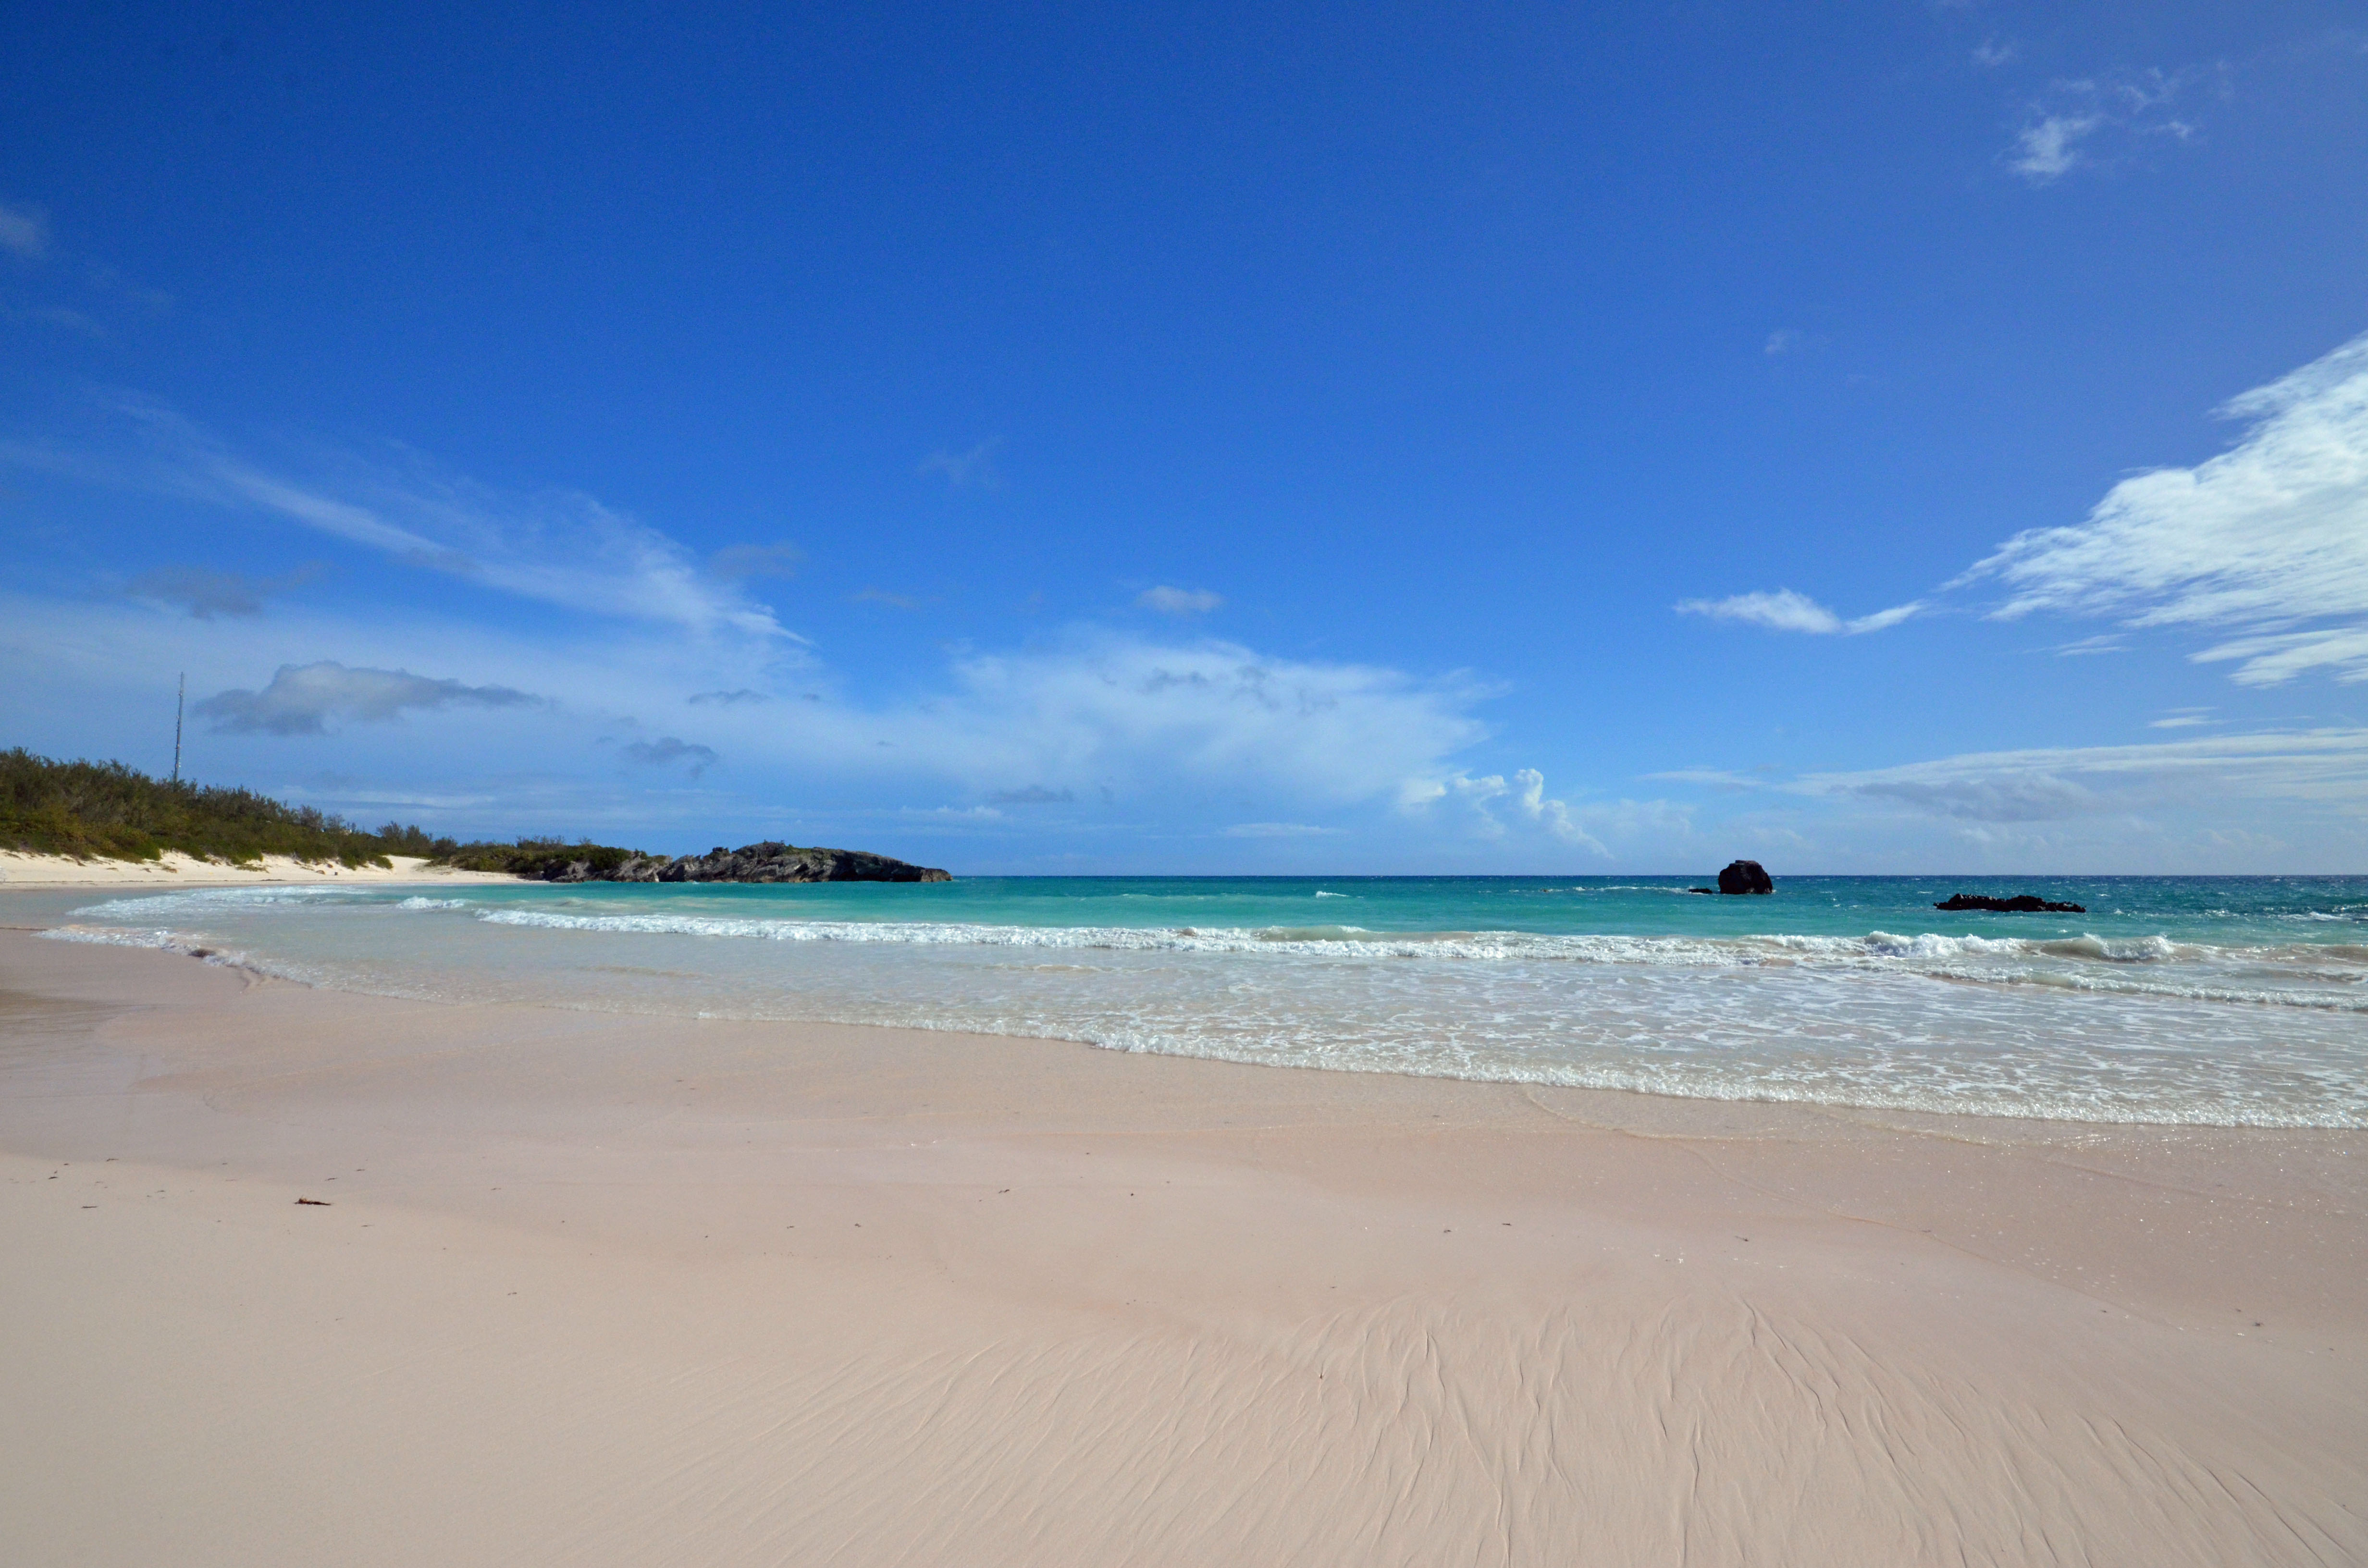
pixel 583 1289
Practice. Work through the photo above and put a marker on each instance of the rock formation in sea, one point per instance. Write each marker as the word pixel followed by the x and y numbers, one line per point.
pixel 1746 875
pixel 769 862
pixel 2021 904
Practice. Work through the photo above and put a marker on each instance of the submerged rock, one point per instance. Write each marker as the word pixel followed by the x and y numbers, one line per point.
pixel 771 861
pixel 1746 875
pixel 2021 904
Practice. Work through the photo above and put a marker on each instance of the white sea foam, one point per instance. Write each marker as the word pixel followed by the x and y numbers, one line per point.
pixel 1984 959
pixel 193 943
pixel 2112 1025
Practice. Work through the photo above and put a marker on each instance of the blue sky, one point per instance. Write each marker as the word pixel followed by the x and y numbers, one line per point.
pixel 1872 436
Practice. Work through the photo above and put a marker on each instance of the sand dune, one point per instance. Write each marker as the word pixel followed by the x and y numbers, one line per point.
pixel 591 1289
pixel 173 869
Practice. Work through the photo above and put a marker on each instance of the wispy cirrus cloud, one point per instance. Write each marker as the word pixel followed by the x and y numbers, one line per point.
pixel 2270 539
pixel 300 699
pixel 1031 795
pixel 2325 767
pixel 24 229
pixel 1178 601
pixel 2097 121
pixel 2321 766
pixel 1785 611
pixel 558 546
pixel 206 592
pixel 974 468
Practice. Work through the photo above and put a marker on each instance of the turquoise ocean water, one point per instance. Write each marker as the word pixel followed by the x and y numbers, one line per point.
pixel 2217 1000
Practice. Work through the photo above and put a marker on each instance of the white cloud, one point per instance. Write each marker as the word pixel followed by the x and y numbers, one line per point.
pixel 1783 340
pixel 2066 129
pixel 2049 147
pixel 1187 730
pixel 1526 793
pixel 2270 538
pixel 1178 601
pixel 1785 611
pixel 2088 647
pixel 1993 52
pixel 1032 795
pixel 1164 717
pixel 2323 767
pixel 302 698
pixel 1278 830
pixel 558 546
pixel 24 229
pixel 975 466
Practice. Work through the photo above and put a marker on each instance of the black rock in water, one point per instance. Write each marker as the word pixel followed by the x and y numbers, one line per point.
pixel 769 862
pixel 1744 876
pixel 2021 904
pixel 1702 890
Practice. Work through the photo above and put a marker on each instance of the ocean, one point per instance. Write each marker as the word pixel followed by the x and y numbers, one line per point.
pixel 2223 1001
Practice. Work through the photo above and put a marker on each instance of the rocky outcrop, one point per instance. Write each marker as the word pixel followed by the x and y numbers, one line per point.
pixel 1746 875
pixel 769 862
pixel 2021 904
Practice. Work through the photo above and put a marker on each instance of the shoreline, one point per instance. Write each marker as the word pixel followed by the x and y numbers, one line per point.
pixel 875 1295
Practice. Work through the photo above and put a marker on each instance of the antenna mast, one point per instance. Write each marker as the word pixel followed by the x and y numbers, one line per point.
pixel 179 699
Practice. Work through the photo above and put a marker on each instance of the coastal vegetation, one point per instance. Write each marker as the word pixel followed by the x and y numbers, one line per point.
pixel 112 811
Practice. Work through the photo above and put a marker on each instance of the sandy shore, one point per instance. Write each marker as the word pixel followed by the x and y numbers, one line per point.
pixel 578 1289
pixel 18 870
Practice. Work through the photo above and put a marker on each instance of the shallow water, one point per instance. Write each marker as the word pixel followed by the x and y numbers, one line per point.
pixel 2229 1001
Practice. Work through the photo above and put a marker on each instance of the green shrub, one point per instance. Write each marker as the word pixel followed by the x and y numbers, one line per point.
pixel 107 811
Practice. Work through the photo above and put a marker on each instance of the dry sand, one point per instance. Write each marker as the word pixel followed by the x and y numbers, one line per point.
pixel 19 869
pixel 583 1289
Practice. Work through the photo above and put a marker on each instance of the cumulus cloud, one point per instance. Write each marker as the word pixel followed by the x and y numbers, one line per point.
pixel 1188 732
pixel 1785 611
pixel 206 594
pixel 303 698
pixel 558 546
pixel 24 229
pixel 2270 539
pixel 668 751
pixel 1178 601
pixel 1526 795
pixel 1160 717
pixel 1279 830
pixel 2318 767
